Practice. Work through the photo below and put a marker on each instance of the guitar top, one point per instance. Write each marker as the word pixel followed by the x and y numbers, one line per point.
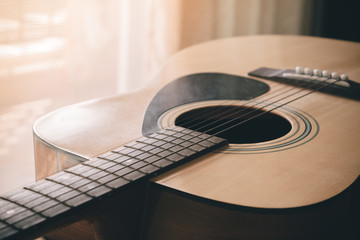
pixel 306 174
pixel 301 150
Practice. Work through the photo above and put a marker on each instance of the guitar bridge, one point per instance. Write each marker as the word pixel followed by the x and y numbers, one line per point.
pixel 315 80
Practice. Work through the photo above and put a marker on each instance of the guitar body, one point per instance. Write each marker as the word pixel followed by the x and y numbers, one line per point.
pixel 300 184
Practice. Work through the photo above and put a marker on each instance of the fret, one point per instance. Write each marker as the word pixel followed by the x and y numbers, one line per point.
pixel 148 148
pixel 186 152
pixel 99 191
pixel 148 140
pixel 45 205
pixel 39 200
pixel 197 148
pixel 114 168
pixel 79 169
pixel 10 210
pixel 135 153
pixel 139 164
pixel 3 204
pixel 29 222
pixel 176 148
pixel 78 200
pixel 79 183
pixel 68 195
pixel 124 150
pixel 70 180
pixel 2 225
pixel 119 182
pixel 19 216
pixel 98 162
pixel 149 169
pixel 129 162
pixel 59 192
pixel 89 186
pixel 174 157
pixel 121 159
pixel 38 186
pixel 186 144
pixel 107 165
pixel 136 145
pixel 132 176
pixel 155 150
pixel 162 163
pixel 97 177
pixel 206 143
pixel 7 231
pixel 107 178
pixel 144 156
pixel 164 153
pixel 55 210
pixel 152 159
pixel 168 145
pixel 123 171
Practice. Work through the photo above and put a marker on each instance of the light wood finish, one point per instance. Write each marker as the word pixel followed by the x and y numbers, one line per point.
pixel 88 129
pixel 311 173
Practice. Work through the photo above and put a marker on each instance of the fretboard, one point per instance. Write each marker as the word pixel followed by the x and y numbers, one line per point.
pixel 36 204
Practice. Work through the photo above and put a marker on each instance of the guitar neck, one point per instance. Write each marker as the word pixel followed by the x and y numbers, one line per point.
pixel 45 203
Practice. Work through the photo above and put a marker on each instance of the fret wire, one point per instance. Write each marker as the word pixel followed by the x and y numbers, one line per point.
pixel 47 200
pixel 26 208
pixel 134 143
pixel 102 174
pixel 12 202
pixel 131 166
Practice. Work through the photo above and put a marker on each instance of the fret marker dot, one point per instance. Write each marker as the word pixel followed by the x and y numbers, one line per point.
pixel 10 212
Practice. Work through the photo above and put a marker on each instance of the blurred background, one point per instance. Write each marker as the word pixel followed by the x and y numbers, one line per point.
pixel 58 52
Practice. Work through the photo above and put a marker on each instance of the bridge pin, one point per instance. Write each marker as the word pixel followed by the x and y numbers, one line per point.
pixel 344 77
pixel 299 70
pixel 317 72
pixel 325 74
pixel 334 75
pixel 308 71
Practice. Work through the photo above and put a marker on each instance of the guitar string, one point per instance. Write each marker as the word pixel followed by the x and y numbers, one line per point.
pixel 248 107
pixel 244 106
pixel 241 108
pixel 211 112
pixel 247 113
pixel 308 93
pixel 264 112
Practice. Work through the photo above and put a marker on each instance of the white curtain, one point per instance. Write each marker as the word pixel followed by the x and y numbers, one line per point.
pixel 153 30
pixel 54 53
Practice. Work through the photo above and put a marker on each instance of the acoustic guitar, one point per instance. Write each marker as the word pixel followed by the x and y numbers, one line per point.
pixel 230 141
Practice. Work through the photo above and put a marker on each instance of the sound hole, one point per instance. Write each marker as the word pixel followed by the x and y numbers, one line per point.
pixel 236 124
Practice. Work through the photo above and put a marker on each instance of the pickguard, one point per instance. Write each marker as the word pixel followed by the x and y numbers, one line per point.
pixel 200 87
